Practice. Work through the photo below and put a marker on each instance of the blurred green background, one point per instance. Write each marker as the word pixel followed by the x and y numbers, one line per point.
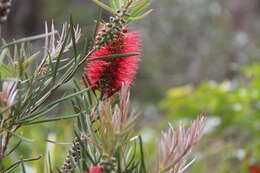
pixel 200 56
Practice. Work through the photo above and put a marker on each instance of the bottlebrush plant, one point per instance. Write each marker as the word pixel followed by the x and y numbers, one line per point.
pixel 105 140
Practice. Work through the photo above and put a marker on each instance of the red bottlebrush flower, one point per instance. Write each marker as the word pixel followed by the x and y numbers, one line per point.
pixel 108 75
pixel 95 169
pixel 254 169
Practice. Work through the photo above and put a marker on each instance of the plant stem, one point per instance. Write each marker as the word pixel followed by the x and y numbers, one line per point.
pixel 4 143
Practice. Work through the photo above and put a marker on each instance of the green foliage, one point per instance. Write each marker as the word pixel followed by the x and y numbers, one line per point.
pixel 235 103
pixel 134 8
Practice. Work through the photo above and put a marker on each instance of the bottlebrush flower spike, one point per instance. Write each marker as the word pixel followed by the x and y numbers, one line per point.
pixel 95 169
pixel 108 75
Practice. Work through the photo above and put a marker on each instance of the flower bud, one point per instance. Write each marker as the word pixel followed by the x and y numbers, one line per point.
pixel 95 169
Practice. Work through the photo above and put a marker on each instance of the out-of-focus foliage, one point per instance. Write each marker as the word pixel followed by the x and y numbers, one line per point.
pixel 192 40
pixel 52 139
pixel 234 111
pixel 30 96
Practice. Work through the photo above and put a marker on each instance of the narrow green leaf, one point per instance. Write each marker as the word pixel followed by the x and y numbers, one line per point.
pixel 22 137
pixel 28 39
pixel 104 6
pixel 143 168
pixel 117 4
pixel 75 82
pixel 66 98
pixel 118 158
pixel 49 163
pixel 23 167
pixel 73 38
pixel 14 148
pixel 113 56
pixel 2 55
pixel 60 55
pixel 141 8
pixel 112 4
pixel 34 116
pixel 97 24
pixel 142 16
pixel 13 166
pixel 83 123
pixel 29 60
pixel 53 119
pixel 60 143
pixel 125 1
pixel 139 3
pixel 52 105
pixel 86 45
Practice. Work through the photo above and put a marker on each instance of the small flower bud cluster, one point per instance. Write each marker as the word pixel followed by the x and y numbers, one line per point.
pixel 5 6
pixel 114 30
pixel 73 155
pixel 95 169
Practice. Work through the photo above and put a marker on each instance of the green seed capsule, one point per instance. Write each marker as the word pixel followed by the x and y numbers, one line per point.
pixel 111 19
pixel 123 21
